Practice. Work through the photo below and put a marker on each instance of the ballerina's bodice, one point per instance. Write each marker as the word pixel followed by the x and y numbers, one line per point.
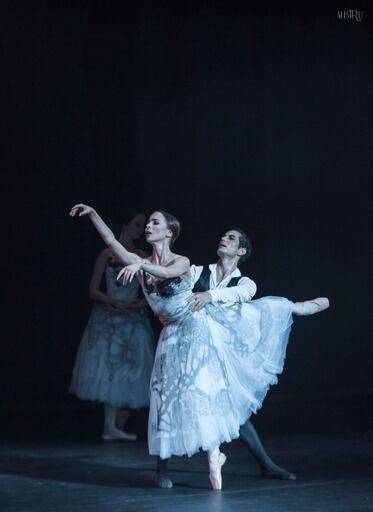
pixel 168 298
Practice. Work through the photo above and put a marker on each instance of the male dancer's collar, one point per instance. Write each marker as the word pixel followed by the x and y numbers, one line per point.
pixel 236 272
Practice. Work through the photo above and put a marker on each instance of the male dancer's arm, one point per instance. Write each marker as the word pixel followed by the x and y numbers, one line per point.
pixel 244 291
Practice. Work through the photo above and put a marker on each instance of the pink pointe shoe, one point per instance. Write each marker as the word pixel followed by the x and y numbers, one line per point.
pixel 322 303
pixel 310 307
pixel 216 461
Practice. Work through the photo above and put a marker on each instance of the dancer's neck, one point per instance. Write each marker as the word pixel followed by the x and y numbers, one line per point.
pixel 224 267
pixel 161 253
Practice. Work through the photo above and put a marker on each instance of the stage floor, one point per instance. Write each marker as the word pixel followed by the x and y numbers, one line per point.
pixel 335 474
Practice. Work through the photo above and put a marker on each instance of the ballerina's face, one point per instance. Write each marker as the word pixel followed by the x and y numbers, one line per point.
pixel 135 227
pixel 156 229
pixel 229 245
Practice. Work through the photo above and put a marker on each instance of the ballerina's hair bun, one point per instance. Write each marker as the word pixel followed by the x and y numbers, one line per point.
pixel 173 225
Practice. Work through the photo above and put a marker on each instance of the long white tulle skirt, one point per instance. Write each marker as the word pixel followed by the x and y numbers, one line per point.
pixel 212 370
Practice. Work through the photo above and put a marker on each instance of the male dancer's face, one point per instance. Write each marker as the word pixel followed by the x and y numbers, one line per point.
pixel 229 245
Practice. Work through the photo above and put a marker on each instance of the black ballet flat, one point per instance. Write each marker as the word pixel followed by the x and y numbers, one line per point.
pixel 163 482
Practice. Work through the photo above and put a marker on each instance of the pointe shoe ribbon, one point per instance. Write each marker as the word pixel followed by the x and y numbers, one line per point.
pixel 322 303
pixel 215 464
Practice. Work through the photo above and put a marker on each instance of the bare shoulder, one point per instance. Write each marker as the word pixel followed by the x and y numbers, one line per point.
pixel 178 258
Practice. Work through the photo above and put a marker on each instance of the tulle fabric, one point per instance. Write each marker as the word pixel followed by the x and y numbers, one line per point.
pixel 116 353
pixel 212 368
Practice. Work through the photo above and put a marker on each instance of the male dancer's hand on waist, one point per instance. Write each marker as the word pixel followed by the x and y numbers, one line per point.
pixel 199 300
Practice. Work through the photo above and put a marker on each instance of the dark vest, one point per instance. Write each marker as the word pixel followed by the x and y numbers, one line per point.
pixel 203 283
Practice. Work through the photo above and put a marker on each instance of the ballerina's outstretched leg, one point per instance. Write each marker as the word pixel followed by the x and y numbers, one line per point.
pixel 310 307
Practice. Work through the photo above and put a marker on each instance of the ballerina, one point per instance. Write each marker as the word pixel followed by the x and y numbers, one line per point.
pixel 116 353
pixel 223 282
pixel 213 366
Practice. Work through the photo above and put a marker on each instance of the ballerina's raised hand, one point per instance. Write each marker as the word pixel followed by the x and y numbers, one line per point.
pixel 80 210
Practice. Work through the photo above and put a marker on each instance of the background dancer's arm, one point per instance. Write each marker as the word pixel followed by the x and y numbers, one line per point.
pixel 96 293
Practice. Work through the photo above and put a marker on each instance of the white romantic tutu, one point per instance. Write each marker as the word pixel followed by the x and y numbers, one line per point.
pixel 212 368
pixel 116 354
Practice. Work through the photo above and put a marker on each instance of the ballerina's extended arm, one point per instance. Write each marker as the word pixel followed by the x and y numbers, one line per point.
pixel 175 268
pixel 126 257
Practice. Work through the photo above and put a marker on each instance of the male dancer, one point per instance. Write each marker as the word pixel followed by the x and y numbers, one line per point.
pixel 223 282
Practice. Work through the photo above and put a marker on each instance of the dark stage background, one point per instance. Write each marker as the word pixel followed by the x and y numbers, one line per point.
pixel 222 114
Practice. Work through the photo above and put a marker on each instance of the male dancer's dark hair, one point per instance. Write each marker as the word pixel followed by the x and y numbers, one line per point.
pixel 245 242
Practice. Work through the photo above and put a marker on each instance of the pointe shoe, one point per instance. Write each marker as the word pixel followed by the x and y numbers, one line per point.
pixel 310 307
pixel 321 302
pixel 215 464
pixel 120 436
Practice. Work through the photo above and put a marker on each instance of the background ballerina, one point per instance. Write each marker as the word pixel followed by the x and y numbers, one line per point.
pixel 115 356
